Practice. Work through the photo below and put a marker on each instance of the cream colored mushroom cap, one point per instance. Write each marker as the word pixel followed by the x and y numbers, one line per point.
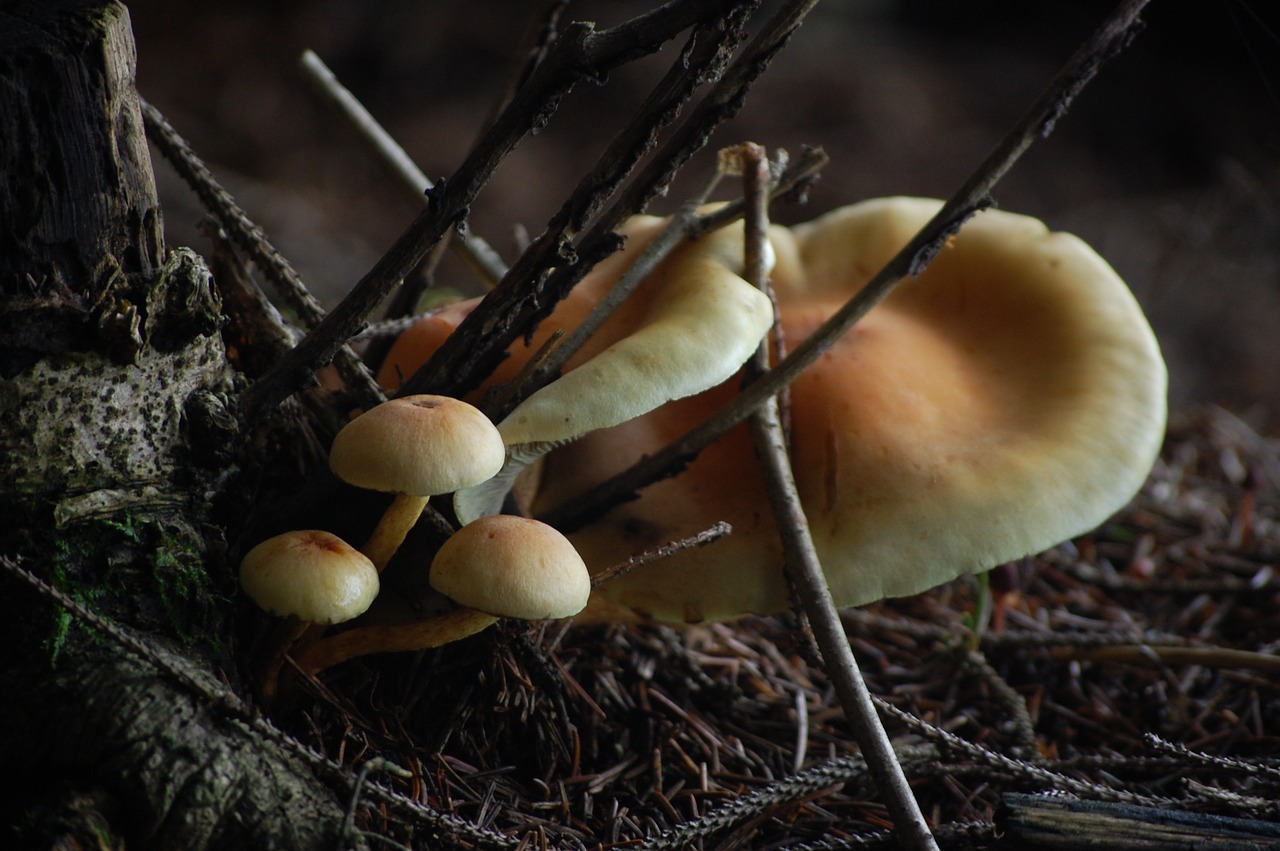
pixel 418 445
pixel 310 574
pixel 696 322
pixel 1010 397
pixel 512 567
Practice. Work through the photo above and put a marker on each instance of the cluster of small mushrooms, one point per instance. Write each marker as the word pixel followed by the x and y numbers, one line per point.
pixel 1010 396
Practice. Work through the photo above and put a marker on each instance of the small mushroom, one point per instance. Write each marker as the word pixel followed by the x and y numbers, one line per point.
pixel 311 575
pixel 497 566
pixel 308 577
pixel 415 447
pixel 689 326
pixel 1009 397
pixel 512 567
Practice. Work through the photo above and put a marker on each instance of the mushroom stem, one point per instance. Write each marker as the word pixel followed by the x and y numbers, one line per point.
pixel 435 631
pixel 283 636
pixel 396 522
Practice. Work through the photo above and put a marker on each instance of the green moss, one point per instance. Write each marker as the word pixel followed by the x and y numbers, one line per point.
pixel 139 571
pixel 191 605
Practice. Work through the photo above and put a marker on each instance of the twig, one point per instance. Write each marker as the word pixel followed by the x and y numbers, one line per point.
pixel 251 240
pixel 228 702
pixel 1019 768
pixel 477 253
pixel 1240 766
pixel 580 51
pixel 653 254
pixel 539 35
pixel 973 195
pixel 801 559
pixel 701 539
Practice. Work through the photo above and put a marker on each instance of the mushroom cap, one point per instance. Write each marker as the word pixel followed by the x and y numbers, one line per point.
pixel 690 325
pixel 1009 397
pixel 418 445
pixel 512 567
pixel 310 574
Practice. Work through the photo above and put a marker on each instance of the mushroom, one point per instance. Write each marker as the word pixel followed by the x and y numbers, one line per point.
pixel 689 326
pixel 306 577
pixel 415 447
pixel 311 575
pixel 1009 397
pixel 497 566
pixel 512 567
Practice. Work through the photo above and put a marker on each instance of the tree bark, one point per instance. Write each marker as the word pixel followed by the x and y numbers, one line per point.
pixel 117 439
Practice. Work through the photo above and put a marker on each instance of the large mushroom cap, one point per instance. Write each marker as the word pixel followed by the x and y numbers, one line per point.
pixel 312 575
pixel 419 445
pixel 1008 398
pixel 512 567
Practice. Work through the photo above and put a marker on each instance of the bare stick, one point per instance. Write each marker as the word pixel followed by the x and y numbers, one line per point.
pixel 801 559
pixel 686 223
pixel 973 196
pixel 701 539
pixel 477 253
pixel 250 239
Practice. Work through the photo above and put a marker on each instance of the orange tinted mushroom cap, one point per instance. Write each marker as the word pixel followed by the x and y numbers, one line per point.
pixel 421 340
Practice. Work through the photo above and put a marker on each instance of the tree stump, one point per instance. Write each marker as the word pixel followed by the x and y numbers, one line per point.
pixel 117 437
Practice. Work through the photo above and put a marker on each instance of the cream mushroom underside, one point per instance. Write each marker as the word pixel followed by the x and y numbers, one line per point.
pixel 1010 397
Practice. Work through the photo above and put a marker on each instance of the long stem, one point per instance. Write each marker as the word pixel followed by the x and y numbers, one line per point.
pixel 396 523
pixel 362 640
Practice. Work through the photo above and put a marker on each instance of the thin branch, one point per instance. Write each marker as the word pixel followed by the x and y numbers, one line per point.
pixel 701 539
pixel 1241 766
pixel 973 195
pixel 250 239
pixel 1145 654
pixel 540 33
pixel 477 253
pixel 777 795
pixel 685 223
pixel 801 558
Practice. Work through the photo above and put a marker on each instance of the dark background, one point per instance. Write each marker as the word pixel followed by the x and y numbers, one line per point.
pixel 1169 164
